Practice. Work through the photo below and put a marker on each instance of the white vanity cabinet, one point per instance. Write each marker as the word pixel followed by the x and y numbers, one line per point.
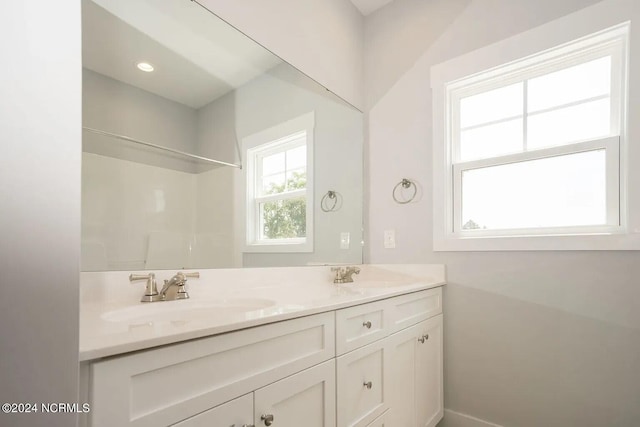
pixel 160 387
pixel 370 365
pixel 400 371
pixel 361 377
pixel 415 387
pixel 381 421
pixel 303 399
pixel 238 413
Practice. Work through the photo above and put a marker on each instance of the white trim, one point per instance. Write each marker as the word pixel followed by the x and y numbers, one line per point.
pixel 280 196
pixel 272 139
pixel 569 33
pixel 458 419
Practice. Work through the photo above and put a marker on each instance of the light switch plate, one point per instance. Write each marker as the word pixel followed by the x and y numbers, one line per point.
pixel 345 240
pixel 389 239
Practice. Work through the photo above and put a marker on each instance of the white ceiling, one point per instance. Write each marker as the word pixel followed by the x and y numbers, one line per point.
pixel 368 6
pixel 197 57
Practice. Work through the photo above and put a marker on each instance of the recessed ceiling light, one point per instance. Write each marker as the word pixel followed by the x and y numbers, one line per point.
pixel 145 66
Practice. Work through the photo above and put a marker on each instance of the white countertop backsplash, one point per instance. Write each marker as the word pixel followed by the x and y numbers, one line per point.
pixel 290 292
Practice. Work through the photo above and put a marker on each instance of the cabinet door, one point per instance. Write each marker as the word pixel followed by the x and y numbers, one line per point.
pixel 416 382
pixel 361 385
pixel 402 379
pixel 305 399
pixel 237 413
pixel 429 378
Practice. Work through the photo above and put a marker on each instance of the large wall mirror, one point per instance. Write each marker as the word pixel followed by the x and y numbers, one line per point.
pixel 201 149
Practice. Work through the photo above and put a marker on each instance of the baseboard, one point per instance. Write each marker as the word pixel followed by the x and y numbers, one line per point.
pixel 457 419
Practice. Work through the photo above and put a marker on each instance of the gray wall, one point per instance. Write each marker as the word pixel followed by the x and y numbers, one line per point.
pixel 280 95
pixel 113 106
pixel 322 38
pixel 40 217
pixel 531 338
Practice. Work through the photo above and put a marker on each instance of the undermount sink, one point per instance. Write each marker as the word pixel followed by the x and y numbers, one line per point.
pixel 185 310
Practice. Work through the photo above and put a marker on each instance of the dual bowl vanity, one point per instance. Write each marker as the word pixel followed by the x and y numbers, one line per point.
pixel 225 157
pixel 266 346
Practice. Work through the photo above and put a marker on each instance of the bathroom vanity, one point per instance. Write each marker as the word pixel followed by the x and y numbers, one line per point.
pixel 163 188
pixel 281 347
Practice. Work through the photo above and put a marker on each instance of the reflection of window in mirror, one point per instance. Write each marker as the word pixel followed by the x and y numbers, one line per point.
pixel 279 187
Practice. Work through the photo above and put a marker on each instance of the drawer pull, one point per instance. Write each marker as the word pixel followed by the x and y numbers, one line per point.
pixel 423 338
pixel 268 419
pixel 368 385
pixel 367 324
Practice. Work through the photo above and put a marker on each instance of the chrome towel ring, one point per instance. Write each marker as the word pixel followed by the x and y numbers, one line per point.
pixel 329 202
pixel 402 185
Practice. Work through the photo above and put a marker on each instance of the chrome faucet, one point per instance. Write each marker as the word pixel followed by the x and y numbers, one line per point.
pixel 343 274
pixel 173 288
pixel 151 289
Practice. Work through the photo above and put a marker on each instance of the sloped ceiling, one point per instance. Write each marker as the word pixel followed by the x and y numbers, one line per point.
pixel 368 6
pixel 197 56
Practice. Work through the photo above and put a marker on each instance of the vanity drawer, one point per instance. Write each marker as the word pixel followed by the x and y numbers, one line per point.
pixel 238 412
pixel 360 325
pixel 407 310
pixel 380 421
pixel 162 386
pixel 361 378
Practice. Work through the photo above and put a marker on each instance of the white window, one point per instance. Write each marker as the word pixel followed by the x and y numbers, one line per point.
pixel 532 148
pixel 279 202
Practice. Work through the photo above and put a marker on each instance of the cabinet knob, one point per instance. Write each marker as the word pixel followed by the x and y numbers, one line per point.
pixel 367 324
pixel 368 385
pixel 423 338
pixel 267 418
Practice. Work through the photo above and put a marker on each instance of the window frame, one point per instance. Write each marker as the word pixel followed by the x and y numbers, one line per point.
pixel 488 69
pixel 277 139
pixel 612 154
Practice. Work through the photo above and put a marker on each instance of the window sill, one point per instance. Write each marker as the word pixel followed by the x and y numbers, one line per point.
pixel 278 248
pixel 593 242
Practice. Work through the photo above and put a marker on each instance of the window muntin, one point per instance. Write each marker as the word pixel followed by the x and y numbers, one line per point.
pixel 280 188
pixel 278 176
pixel 506 127
pixel 506 103
pixel 492 140
pixel 284 170
pixel 591 79
pixel 568 104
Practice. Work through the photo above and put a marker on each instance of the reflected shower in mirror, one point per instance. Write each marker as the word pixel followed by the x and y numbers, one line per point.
pixel 201 149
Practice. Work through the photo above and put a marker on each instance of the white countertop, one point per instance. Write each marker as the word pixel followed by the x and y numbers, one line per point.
pixel 114 321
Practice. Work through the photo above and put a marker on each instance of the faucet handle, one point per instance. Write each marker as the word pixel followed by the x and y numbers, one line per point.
pixel 195 274
pixel 182 293
pixel 151 288
pixel 137 277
